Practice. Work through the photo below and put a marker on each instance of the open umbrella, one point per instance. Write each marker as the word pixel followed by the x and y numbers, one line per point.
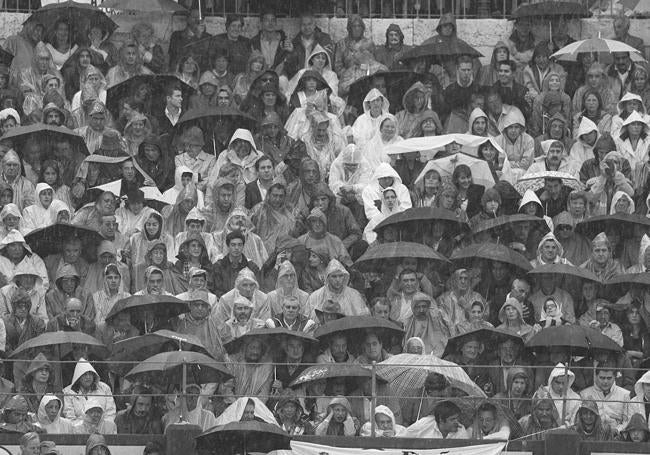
pixel 618 221
pixel 564 270
pixel 271 337
pixel 79 16
pixel 481 174
pixel 642 279
pixel 144 6
pixel 164 306
pixel 333 370
pixel 48 240
pixel 422 218
pixel 397 82
pixel 382 254
pixel 468 142
pixel 535 181
pixel 244 438
pixel 351 325
pixel 570 52
pixel 406 374
pixel 551 8
pixel 505 222
pixel 440 49
pixel 580 340
pixel 47 137
pixel 63 339
pixel 135 350
pixel 490 337
pixel 493 252
pixel 157 82
pixel 177 367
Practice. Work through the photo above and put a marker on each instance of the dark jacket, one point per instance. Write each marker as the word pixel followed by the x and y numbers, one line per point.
pixel 17 335
pixel 252 195
pixel 296 60
pixel 515 96
pixel 238 51
pixel 60 323
pixel 280 54
pixel 474 195
pixel 128 423
pixel 224 274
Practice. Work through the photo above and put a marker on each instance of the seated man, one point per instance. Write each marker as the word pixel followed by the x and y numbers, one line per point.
pixel 613 401
pixel 601 262
pixel 290 317
pixel 442 424
pixel 246 285
pixel 336 289
pixel 70 254
pixel 385 425
pixel 542 418
pixel 336 351
pixel 72 320
pixel 429 323
pixel 589 425
pixel 227 269
pixel 194 415
pixel 318 236
pixel 372 350
pixel 339 420
pixel 241 322
pixel 154 282
pixel 198 322
pixel 141 416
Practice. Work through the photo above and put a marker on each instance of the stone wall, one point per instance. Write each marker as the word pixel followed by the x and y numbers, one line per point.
pixel 483 34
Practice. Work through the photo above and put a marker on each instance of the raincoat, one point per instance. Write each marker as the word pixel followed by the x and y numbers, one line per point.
pixel 638 403
pixel 196 215
pixel 206 330
pixel 323 150
pixel 519 407
pixel 132 141
pixel 373 192
pixel 56 298
pixel 272 223
pixel 347 427
pixel 37 294
pixel 74 400
pixel 634 155
pixel 369 234
pixel 252 379
pixel 30 261
pixel 434 331
pixel 410 118
pixel 375 149
pixel 559 259
pixel 36 216
pixel 350 300
pixel 285 288
pixel 333 244
pixel 96 272
pixel 171 195
pixel 235 412
pixel 617 197
pixel 254 248
pixel 122 71
pixel 22 187
pixel 100 88
pixel 607 96
pixel 140 243
pixel 233 328
pixel 521 151
pixel 86 426
pixel 600 431
pixel 203 418
pixel 340 176
pixel 261 310
pixel 572 398
pixel 530 424
pixel 10 209
pixel 328 75
pixel 455 304
pixel 30 79
pixel 525 331
pixel 613 408
pixel 365 125
pixel 171 279
pixel 60 425
pixel 580 150
pixel 245 164
pixel 176 214
pixel 381 409
pixel 617 120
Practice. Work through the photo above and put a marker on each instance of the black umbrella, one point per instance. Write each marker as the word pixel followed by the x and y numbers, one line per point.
pixel 618 221
pixel 271 337
pixel 383 253
pixel 163 306
pixel 6 57
pixel 552 8
pixel 564 270
pixel 243 438
pixel 500 223
pixel 60 338
pixel 397 82
pixel 158 84
pixel 48 240
pixel 491 338
pixel 493 252
pixel 79 16
pixel 176 367
pixel 421 218
pixel 354 325
pixel 642 279
pixel 578 339
pixel 440 50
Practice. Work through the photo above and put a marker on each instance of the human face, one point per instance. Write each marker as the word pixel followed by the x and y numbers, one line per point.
pixel 513 132
pixel 152 226
pixel 638 435
pixel 464 181
pixel 486 420
pixel 508 350
pixel 46 197
pixel 20 310
pixel 234 30
pixel 42 375
pixel 420 309
pixel 276 198
pixel 544 413
pixel 253 351
pixel 294 349
pixel 558 384
pixel 52 409
pixel 307 26
pixel 249 413
pixel 310 174
pixel 142 406
pixel 269 98
pixel 600 254
pixel 241 312
pixel 200 309
pixel 290 309
pixel 622 61
pixel 450 425
pixel 470 350
pixel 69 284
pixel 553 187
pixel 319 61
pixel 381 311
pixel 321 202
pixel 390 199
pixel 11 169
pixel 554 155
pixel 505 74
pixel 520 290
pixel 383 422
pixel 465 73
pixel 154 284
pixel 409 283
pixel 549 251
pixel 634 129
pixel 176 99
pixel 223 98
pixel 337 280
pixel 339 413
pixel 518 387
pixel 235 248
pixel 339 348
pixel 479 127
pixel 476 313
pixel 317 226
pixel 541 60
pixel 376 106
pixel 87 379
pixel 622 205
pixel 605 380
pixel 388 129
pixel 33 445
pixel 95 415
pixel 640 79
pixel 224 197
pixel 269 23
pixel 113 281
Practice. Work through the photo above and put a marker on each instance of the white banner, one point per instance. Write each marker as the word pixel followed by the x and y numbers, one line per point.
pixel 307 448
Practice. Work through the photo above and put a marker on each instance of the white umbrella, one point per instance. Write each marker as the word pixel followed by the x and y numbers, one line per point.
pixel 481 174
pixel 535 181
pixel 569 53
pixel 421 144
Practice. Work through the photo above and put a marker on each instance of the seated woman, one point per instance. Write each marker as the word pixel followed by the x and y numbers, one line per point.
pixel 157 256
pixel 519 383
pixel 339 420
pixel 385 425
pixel 86 385
pixel 551 315
pixel 489 423
pixel 291 415
pixel 636 430
pixel 38 381
pixel 511 317
pixel 49 416
pixel 94 420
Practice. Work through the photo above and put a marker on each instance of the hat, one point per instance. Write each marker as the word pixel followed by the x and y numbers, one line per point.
pixel 243 301
pixel 637 422
pixel 97 108
pixel 589 405
pixel 330 307
pixel 271 118
pixel 194 136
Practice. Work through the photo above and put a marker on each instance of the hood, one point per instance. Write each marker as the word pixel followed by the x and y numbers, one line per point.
pixel 386 170
pixel 620 195
pixel 39 188
pixel 519 372
pixel 10 209
pixel 23 269
pixel 513 303
pixel 629 97
pixel 137 117
pixel 82 367
pixel 40 361
pixel 604 142
pixel 318 49
pixel 96 440
pixel 394 28
pixel 239 211
pixel 335 266
pixel 448 18
pixel 354 19
pixel 235 411
pixel 178 174
pixel 14 236
pixel 286 268
pixel 93 402
pixel 560 370
pixel 195 215
pixel 343 402
pixel 161 222
pixel 373 95
pixel 322 189
pixel 154 245
pixel 42 415
pixel 634 117
pixel 244 275
pixel 638 387
pixel 499 45
pixel 317 214
pixel 637 422
pixel 476 113
pixel 550 236
pixel 514 117
pixel 407 99
pixel 591 406
pixel 208 77
pixel 245 135
pixel 530 196
pixel 182 249
pixel 563 218
pixel 381 409
pixel 586 126
pixel 420 296
pixel 321 83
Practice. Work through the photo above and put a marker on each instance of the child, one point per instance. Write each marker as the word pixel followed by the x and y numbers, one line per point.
pixel 490 205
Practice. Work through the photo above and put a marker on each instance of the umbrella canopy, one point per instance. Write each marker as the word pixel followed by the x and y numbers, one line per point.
pixel 379 255
pixel 46 137
pixel 636 8
pixel 157 83
pixel 422 218
pixel 642 279
pixel 468 142
pixel 406 374
pixel 489 337
pixel 48 240
pixel 271 337
pixel 145 6
pixel 494 252
pixel 79 16
pixel 244 437
pixel 210 118
pixel 569 53
pixel 165 307
pixel 201 369
pixel 500 223
pixel 333 370
pixel 564 270
pixel 396 82
pixel 64 339
pixel 481 174
pixel 135 350
pixel 618 221
pixel 580 340
pixel 551 8
pixel 355 324
pixel 440 49
pixel 535 181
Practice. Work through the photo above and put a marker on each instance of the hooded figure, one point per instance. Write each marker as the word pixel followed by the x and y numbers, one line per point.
pixel 350 300
pixel 29 260
pixel 272 222
pixel 331 427
pixel 636 423
pixel 176 214
pixel 38 216
pixel 598 431
pixel 23 188
pixel 608 99
pixel 366 125
pixel 345 48
pixel 626 204
pixel 245 163
pixel 639 402
pixel 369 234
pixel 56 424
pixel 287 287
pixel 516 326
pixel 157 162
pixel 223 311
pixel 128 65
pixel 518 401
pixel 95 280
pixel 350 170
pixel 373 192
pixel 390 431
pixel 235 412
pixel 195 215
pixel 324 239
pixel 36 293
pixel 457 301
pixel 326 74
pixel 254 248
pixel 92 424
pixel 521 151
pixel 389 54
pixel 582 151
pixel 577 248
pixel 171 195
pixel 140 243
pixel 623 114
pixel 603 146
pixel 610 267
pixel 13 210
pixel 171 279
pixel 535 427
pixel 415 104
pixel 434 329
pixel 636 153
pixel 77 394
pixel 557 393
pixel 30 79
pixel 543 259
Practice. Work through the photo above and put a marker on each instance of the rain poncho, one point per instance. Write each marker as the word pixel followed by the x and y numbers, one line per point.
pixel 99 88
pixel 272 223
pixel 520 328
pixel 340 176
pixel 638 403
pixel 434 331
pixel 323 150
pixel 56 297
pixel 261 310
pixel 621 195
pixel 328 75
pixel 287 288
pixel 330 242
pixel 176 214
pixel 373 192
pixel 129 222
pixel 36 216
pixel 530 424
pixel 369 235
pixel 381 409
pixel 198 416
pixel 608 270
pixel 409 119
pixel 132 140
pixel 617 120
pixel 348 427
pixel 30 79
pixel 235 411
pixel 572 398
pixel 365 125
pixel 36 294
pixel 87 426
pixel 455 303
pixel 196 215
pixel 140 242
pixel 520 153
pixel 350 301
pixel 634 154
pixel 171 279
pixel 60 425
pixel 252 379
pixel 30 261
pixel 10 209
pixel 581 151
pixel 23 188
pixel 122 71
pixel 104 300
pixel 74 399
pixel 254 248
pixel 374 150
pixel 245 164
pixel 559 259
pixel 206 330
